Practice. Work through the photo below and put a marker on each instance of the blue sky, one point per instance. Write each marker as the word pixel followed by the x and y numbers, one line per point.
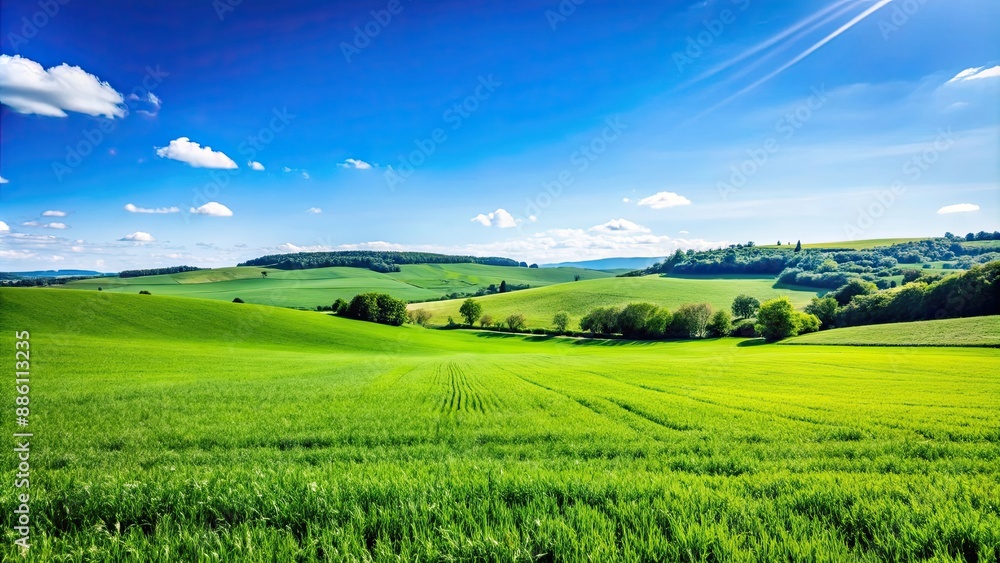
pixel 544 131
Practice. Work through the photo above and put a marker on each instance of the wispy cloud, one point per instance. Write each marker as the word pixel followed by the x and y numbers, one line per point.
pixel 355 164
pixel 54 213
pixel 958 208
pixel 976 73
pixel 664 200
pixel 131 208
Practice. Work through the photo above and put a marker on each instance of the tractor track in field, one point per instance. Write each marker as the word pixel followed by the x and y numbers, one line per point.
pixel 463 394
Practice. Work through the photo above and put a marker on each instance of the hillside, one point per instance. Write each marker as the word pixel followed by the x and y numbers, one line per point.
pixel 540 305
pixel 976 331
pixel 322 286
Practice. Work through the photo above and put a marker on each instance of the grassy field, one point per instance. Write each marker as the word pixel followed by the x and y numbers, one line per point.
pixel 851 244
pixel 977 331
pixel 540 305
pixel 322 286
pixel 190 430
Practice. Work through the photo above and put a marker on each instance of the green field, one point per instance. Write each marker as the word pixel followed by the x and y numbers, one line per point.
pixel 977 331
pixel 191 430
pixel 322 286
pixel 851 244
pixel 577 298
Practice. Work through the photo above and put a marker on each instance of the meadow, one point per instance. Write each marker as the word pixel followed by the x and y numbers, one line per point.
pixel 975 331
pixel 322 286
pixel 578 298
pixel 169 428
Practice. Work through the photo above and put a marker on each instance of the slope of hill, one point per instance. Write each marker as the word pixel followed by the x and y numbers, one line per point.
pixel 322 286
pixel 850 244
pixel 975 331
pixel 540 305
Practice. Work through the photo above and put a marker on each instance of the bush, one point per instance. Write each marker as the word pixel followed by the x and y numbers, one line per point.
pixel 420 316
pixel 486 321
pixel 745 329
pixel 658 325
pixel 825 309
pixel 852 289
pixel 691 320
pixel 237 300
pixel 377 308
pixel 777 319
pixel 516 321
pixel 721 323
pixel 807 323
pixel 634 318
pixel 603 320
pixel 144 292
pixel 340 306
pixel 560 321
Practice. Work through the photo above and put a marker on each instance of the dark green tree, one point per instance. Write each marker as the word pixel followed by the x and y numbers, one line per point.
pixel 798 246
pixel 745 306
pixel 471 310
pixel 777 319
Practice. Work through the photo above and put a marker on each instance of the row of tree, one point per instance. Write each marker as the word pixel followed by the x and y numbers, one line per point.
pixel 157 271
pixel 379 261
pixel 372 307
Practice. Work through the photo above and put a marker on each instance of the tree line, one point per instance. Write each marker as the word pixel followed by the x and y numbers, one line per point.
pixel 157 271
pixel 379 261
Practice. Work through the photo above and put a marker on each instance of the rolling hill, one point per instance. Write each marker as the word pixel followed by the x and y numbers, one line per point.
pixel 322 286
pixel 577 298
pixel 975 331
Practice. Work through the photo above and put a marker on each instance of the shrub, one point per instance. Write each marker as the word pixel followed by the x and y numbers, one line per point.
pixel 721 323
pixel 603 320
pixel 825 308
pixel 777 319
pixel 144 292
pixel 486 320
pixel 420 316
pixel 634 318
pixel 560 321
pixel 807 323
pixel 692 320
pixel 515 321
pixel 237 300
pixel 658 325
pixel 340 306
pixel 745 329
pixel 852 289
pixel 377 308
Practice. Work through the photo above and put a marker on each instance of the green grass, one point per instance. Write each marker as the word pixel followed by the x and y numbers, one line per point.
pixel 992 244
pixel 577 298
pixel 977 331
pixel 851 244
pixel 322 286
pixel 191 430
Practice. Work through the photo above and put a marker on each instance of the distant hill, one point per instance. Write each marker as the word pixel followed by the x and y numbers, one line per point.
pixel 609 264
pixel 50 274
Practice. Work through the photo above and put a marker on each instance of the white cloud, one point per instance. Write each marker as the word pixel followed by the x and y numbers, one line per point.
pixel 305 175
pixel 28 88
pixel 285 169
pixel 619 226
pixel 958 208
pixel 184 150
pixel 626 200
pixel 31 224
pixel 16 254
pixel 683 233
pixel 60 226
pixel 254 165
pixel 138 236
pixel 4 180
pixel 355 163
pixel 214 209
pixel 131 208
pixel 976 73
pixel 499 218
pixel 663 200
pixel 315 210
pixel 291 248
pixel 54 213
pixel 4 227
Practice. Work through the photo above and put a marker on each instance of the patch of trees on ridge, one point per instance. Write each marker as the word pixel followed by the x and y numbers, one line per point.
pixel 157 271
pixel 828 268
pixel 378 261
